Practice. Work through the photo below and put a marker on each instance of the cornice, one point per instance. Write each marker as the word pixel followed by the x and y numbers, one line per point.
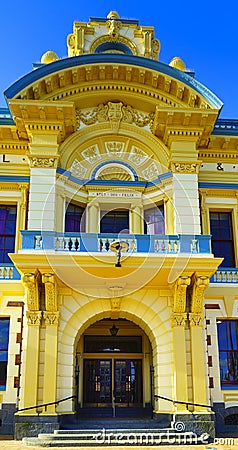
pixel 62 77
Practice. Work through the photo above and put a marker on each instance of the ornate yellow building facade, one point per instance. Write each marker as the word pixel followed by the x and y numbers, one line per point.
pixel 118 203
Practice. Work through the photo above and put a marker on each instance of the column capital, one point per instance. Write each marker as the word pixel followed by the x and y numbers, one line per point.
pixel 180 293
pixel 34 317
pixel 187 167
pixel 51 318
pixel 196 319
pixel 178 319
pixel 30 282
pixel 43 161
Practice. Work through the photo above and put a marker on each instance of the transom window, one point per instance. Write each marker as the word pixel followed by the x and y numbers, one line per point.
pixel 228 353
pixel 7 231
pixel 222 237
pixel 74 218
pixel 154 220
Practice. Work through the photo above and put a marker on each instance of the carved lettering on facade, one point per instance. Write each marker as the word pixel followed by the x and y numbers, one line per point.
pixel 34 317
pixel 180 294
pixel 29 280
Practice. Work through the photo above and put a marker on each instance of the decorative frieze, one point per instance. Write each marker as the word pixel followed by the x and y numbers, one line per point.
pixel 180 294
pixel 30 282
pixel 34 317
pixel 51 318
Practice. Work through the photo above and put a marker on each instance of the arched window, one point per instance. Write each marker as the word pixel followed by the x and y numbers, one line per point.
pixel 74 218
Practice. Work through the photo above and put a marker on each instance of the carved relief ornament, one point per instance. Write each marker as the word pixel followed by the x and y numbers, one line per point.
pixel 178 319
pixel 43 162
pixel 185 167
pixel 51 318
pixel 50 292
pixel 200 284
pixel 33 317
pixel 180 294
pixel 29 281
pixel 196 319
pixel 115 113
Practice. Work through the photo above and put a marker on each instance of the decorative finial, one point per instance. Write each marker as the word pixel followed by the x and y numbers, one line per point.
pixel 113 15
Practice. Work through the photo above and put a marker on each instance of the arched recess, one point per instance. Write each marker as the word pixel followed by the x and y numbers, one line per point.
pixel 154 320
pixel 148 148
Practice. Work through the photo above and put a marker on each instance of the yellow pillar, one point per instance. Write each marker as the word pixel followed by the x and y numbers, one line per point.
pixel 32 360
pixel 136 219
pixel 50 363
pixel 181 385
pixel 198 362
pixel 93 219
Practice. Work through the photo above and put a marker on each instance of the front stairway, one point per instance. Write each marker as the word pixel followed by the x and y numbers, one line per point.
pixel 117 432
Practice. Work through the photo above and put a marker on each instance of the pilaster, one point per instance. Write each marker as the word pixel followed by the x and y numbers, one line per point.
pixel 51 317
pixel 93 217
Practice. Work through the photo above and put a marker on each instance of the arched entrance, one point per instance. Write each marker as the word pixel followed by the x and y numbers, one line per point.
pixel 114 366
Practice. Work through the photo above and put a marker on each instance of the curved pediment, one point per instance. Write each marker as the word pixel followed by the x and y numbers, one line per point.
pixel 113 76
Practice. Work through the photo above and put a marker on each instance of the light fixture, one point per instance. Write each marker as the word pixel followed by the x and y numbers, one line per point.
pixel 114 330
pixel 119 247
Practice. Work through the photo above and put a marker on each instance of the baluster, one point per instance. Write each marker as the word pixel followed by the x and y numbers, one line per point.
pixel 38 242
pixel 67 243
pixel 7 272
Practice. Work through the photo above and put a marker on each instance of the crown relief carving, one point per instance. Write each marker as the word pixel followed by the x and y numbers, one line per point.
pixel 115 113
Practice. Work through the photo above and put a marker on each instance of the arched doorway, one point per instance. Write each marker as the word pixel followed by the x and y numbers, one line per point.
pixel 114 367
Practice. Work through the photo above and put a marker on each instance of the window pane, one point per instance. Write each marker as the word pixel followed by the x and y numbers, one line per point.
pixel 7 231
pixel 73 218
pixel 154 220
pixel 222 237
pixel 4 338
pixel 114 221
pixel 228 352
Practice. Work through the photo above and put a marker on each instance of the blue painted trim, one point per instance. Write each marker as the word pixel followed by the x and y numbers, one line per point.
pixel 218 185
pixel 118 183
pixel 105 19
pixel 104 58
pixel 118 46
pixel 115 161
pixel 14 179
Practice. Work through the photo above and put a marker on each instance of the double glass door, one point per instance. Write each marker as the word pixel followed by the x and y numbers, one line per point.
pixel 106 380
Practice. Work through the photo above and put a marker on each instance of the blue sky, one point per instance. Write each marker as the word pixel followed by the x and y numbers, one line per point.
pixel 204 34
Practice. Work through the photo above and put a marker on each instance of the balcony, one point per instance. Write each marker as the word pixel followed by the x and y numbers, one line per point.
pixel 8 272
pixel 91 243
pixel 225 275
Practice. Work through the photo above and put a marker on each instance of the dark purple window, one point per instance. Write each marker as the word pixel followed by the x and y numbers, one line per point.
pixel 4 338
pixel 222 237
pixel 74 218
pixel 228 353
pixel 7 232
pixel 114 221
pixel 154 220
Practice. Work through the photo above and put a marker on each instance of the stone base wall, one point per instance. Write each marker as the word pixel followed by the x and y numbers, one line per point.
pixel 31 426
pixel 7 418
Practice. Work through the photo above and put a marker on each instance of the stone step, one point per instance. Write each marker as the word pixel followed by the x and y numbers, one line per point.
pixel 115 437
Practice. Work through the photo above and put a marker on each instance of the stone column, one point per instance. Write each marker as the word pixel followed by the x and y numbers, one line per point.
pixel 136 219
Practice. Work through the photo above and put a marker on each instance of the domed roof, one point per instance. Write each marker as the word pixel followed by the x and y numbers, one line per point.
pixel 49 57
pixel 178 63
